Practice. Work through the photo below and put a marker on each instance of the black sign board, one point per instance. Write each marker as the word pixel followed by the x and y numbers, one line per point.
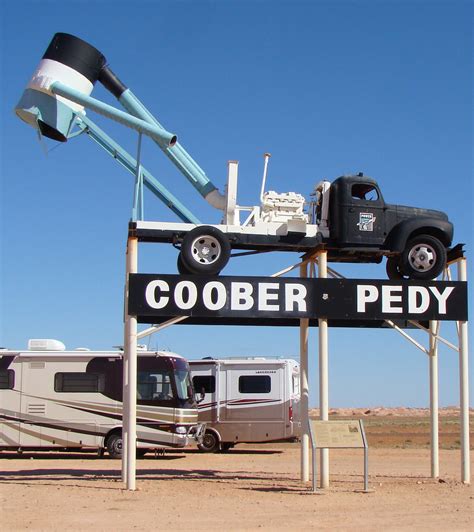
pixel 283 301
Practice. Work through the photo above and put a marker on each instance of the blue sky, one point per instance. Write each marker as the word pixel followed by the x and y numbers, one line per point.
pixel 327 87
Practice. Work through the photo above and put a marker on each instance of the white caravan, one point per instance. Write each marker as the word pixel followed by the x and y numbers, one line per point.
pixel 246 400
pixel 53 398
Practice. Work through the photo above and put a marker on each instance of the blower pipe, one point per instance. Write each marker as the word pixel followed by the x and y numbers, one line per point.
pixel 60 89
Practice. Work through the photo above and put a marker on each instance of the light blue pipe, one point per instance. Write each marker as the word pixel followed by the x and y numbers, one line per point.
pixel 130 164
pixel 158 134
pixel 177 154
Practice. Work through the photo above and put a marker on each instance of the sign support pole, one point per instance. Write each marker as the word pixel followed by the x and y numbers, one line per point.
pixel 323 374
pixel 464 385
pixel 434 402
pixel 130 366
pixel 304 328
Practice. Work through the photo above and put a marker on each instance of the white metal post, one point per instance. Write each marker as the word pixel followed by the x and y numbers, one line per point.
pixel 125 404
pixel 323 375
pixel 464 385
pixel 304 390
pixel 130 351
pixel 434 403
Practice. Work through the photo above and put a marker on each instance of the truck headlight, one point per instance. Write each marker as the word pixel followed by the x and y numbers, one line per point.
pixel 180 430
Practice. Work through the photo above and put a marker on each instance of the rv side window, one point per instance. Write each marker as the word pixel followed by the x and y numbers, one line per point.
pixel 153 385
pixel 7 379
pixel 255 384
pixel 79 382
pixel 206 382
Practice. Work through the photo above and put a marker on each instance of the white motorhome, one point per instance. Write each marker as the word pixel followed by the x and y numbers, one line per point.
pixel 246 400
pixel 53 398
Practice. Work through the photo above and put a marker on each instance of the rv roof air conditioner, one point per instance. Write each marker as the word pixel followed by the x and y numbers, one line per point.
pixel 45 344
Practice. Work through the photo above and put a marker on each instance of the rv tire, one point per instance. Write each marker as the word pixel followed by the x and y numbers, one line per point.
pixel 115 445
pixel 210 442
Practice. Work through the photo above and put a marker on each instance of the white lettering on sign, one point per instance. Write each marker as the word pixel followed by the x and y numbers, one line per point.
pixel 389 299
pixel 442 297
pixel 415 294
pixel 190 289
pixel 295 295
pixel 217 290
pixel 150 294
pixel 366 293
pixel 419 298
pixel 264 296
pixel 241 296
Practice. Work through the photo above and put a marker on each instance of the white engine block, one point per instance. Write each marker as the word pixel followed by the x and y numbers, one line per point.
pixel 281 207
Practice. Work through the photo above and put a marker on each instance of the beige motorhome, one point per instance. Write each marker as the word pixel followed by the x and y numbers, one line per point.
pixel 53 398
pixel 246 400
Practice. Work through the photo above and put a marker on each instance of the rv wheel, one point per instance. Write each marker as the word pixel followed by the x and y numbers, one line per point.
pixel 205 250
pixel 114 446
pixel 210 442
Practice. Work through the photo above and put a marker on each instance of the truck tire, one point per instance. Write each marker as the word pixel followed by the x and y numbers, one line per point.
pixel 392 267
pixel 181 267
pixel 210 442
pixel 423 258
pixel 205 250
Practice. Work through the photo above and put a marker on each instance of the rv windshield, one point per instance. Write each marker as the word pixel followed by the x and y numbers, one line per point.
pixel 183 384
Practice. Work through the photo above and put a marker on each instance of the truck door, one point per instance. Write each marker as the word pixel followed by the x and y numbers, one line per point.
pixel 255 393
pixel 362 215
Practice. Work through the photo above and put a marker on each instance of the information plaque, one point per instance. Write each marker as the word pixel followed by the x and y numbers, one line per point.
pixel 338 434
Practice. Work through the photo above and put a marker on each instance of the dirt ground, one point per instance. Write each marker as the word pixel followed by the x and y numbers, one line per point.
pixel 251 487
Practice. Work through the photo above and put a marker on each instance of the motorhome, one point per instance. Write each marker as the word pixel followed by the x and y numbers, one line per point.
pixel 246 400
pixel 51 398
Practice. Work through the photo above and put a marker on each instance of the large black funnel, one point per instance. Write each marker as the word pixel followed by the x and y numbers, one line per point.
pixel 71 61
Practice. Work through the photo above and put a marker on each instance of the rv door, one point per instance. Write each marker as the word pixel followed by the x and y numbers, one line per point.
pixel 10 400
pixel 255 393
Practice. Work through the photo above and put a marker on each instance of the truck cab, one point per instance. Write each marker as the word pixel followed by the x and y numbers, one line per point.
pixel 364 228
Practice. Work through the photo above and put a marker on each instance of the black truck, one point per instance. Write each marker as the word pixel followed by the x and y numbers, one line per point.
pixel 348 218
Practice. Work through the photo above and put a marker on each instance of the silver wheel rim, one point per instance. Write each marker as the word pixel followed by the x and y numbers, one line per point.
pixel 208 441
pixel 422 257
pixel 206 249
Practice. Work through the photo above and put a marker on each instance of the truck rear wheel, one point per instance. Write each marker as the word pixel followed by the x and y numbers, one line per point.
pixel 205 250
pixel 424 258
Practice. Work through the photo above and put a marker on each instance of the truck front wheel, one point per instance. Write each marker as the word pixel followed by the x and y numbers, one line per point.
pixel 205 250
pixel 424 258
pixel 393 269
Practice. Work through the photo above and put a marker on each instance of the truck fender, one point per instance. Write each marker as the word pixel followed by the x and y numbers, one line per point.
pixel 399 235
